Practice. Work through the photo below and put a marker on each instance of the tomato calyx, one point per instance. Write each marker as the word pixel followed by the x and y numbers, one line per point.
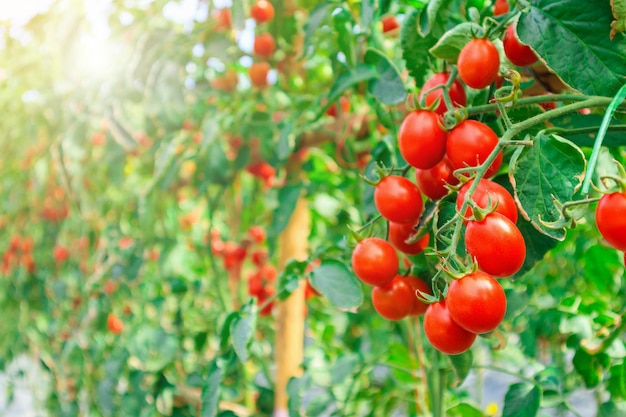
pixel 509 93
pixel 619 180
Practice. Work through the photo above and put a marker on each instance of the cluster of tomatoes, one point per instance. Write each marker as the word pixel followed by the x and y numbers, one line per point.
pixel 20 252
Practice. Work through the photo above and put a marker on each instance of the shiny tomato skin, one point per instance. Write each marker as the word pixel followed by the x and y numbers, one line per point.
pixel 115 324
pixel 398 200
pixel 479 63
pixel 456 93
pixel 394 300
pixel 518 53
pixel 443 332
pixel 416 284
pixel 469 145
pixel 375 261
pixel 421 140
pixel 489 192
pixel 258 73
pixel 398 235
pixel 262 11
pixel 432 182
pixel 611 219
pixel 501 7
pixel 477 302
pixel 496 244
pixel 389 23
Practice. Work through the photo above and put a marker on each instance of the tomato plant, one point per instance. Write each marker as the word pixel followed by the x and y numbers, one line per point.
pixel 264 45
pixel 443 332
pixel 519 54
pixel 456 92
pixel 470 144
pixel 432 182
pixel 421 139
pixel 394 300
pixel 488 194
pixel 400 236
pixel 375 261
pixel 398 200
pixel 479 63
pixel 611 220
pixel 262 11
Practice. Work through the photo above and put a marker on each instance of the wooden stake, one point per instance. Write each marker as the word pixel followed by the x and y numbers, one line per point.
pixel 293 244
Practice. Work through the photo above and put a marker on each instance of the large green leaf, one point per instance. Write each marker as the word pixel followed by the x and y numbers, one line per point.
pixel 388 87
pixel 522 400
pixel 211 391
pixel 154 348
pixel 336 283
pixel 464 410
pixel 461 364
pixel 590 367
pixel 566 29
pixel 612 409
pixel 314 20
pixel 601 267
pixel 450 44
pixel 575 121
pixel 415 47
pixel 241 329
pixel 552 169
pixel 360 73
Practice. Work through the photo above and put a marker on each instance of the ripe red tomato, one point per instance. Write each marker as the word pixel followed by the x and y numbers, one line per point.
pixel 310 291
pixel 479 63
pixel 416 284
pixel 476 302
pixel 518 53
pixel 389 23
pixel 421 140
pixel 497 245
pixel 488 191
pixel 264 45
pixel 456 93
pixel 255 283
pixel 501 7
pixel 60 254
pixel 432 182
pixel 262 11
pixel 400 233
pixel 394 300
pixel 611 219
pixel 469 145
pixel 398 200
pixel 258 74
pixel 223 19
pixel 115 324
pixel 443 332
pixel 375 261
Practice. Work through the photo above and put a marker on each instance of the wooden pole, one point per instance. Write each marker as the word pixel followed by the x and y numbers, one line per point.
pixel 293 244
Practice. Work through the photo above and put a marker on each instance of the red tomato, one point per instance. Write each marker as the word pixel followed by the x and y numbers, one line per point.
pixel 255 284
pixel 264 45
pixel 497 245
pixel 479 63
pixel 258 73
pixel 375 261
pixel 421 140
pixel 390 23
pixel 394 300
pixel 262 11
pixel 456 93
pixel 470 144
pixel 310 291
pixel 265 295
pixel 259 257
pixel 476 302
pixel 398 235
pixel 489 192
pixel 611 219
pixel 114 324
pixel 518 53
pixel 257 233
pixel 398 200
pixel 432 182
pixel 443 332
pixel 223 19
pixel 416 284
pixel 60 254
pixel 501 7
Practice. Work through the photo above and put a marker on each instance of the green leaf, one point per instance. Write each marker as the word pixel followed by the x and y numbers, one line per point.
pixel 215 164
pixel 289 279
pixel 388 87
pixel 561 30
pixel 522 400
pixel 617 381
pixel 601 266
pixel 314 20
pixel 619 13
pixel 360 73
pixel 464 410
pixel 336 283
pixel 398 354
pixel 612 409
pixel 461 364
pixel 286 142
pixel 573 121
pixel 590 367
pixel 288 198
pixel 415 47
pixel 437 10
pixel 211 391
pixel 241 330
pixel 537 245
pixel 343 367
pixel 552 168
pixel 154 348
pixel 450 44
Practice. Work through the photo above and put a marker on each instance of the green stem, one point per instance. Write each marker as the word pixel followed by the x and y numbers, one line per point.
pixel 584 130
pixel 212 204
pixel 593 160
pixel 507 372
pixel 601 102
